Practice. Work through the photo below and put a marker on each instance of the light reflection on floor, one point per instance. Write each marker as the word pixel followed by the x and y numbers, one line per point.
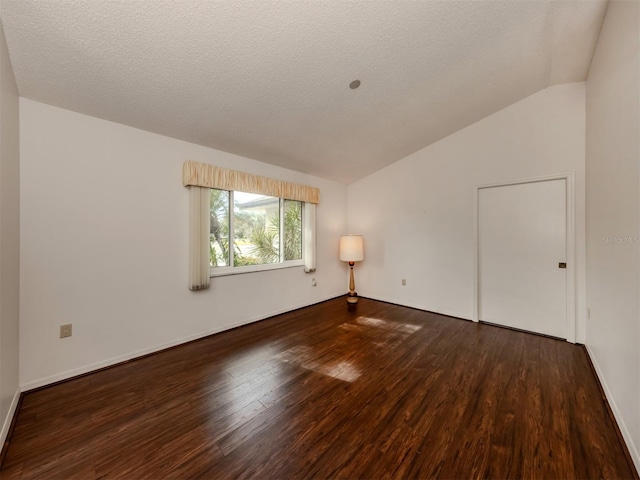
pixel 306 357
pixel 341 363
pixel 401 328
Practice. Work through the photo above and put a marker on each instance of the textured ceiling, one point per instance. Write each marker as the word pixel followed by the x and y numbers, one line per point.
pixel 270 79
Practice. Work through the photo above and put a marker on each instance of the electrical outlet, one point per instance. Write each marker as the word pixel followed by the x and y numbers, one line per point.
pixel 404 282
pixel 65 330
pixel 313 282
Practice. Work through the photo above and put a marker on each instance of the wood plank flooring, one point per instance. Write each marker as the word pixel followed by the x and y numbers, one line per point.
pixel 380 391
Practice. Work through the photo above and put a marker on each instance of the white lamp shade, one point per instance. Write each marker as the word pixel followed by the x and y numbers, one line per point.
pixel 351 248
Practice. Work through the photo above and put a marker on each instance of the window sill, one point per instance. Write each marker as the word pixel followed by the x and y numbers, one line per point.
pixel 226 271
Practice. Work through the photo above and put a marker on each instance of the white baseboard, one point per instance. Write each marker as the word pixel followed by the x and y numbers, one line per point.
pixel 416 306
pixel 41 382
pixel 633 449
pixel 9 418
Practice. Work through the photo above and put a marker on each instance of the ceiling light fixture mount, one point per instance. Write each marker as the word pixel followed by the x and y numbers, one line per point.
pixel 355 84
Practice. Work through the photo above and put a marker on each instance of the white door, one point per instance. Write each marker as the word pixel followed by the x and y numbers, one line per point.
pixel 522 234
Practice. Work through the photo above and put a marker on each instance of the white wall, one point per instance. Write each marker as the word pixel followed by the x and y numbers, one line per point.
pixel 105 246
pixel 9 239
pixel 613 211
pixel 417 215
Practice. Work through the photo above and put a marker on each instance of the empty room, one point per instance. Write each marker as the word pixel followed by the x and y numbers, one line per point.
pixel 320 239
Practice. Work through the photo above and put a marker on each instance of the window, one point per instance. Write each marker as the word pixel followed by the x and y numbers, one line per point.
pixel 252 232
pixel 255 231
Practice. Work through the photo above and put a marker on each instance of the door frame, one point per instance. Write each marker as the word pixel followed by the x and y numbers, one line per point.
pixel 571 245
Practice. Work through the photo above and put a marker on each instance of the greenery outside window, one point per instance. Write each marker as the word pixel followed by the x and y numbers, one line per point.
pixel 251 232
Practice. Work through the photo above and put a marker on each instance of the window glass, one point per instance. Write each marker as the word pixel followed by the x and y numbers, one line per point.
pixel 292 230
pixel 256 229
pixel 219 237
pixel 250 232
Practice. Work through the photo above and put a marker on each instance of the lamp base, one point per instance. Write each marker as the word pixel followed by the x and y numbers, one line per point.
pixel 352 298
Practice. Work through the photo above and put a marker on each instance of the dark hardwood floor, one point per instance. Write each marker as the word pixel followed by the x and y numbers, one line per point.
pixel 381 391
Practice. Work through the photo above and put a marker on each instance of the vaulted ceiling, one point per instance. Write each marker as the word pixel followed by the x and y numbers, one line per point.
pixel 269 79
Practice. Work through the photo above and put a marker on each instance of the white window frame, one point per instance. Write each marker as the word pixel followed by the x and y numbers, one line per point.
pixel 231 270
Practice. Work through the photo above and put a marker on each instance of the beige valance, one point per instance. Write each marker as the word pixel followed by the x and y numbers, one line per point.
pixel 205 175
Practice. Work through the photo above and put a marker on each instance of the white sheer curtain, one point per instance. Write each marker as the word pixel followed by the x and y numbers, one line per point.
pixel 200 228
pixel 309 237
